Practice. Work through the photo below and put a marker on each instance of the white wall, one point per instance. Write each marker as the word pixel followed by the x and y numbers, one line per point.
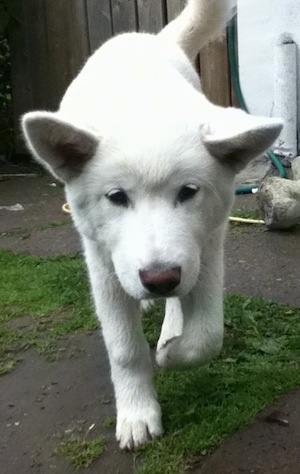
pixel 261 25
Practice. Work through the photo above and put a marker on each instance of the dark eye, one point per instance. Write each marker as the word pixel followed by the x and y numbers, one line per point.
pixel 118 197
pixel 187 192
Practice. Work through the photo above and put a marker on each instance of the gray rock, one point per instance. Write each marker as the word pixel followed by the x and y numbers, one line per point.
pixel 295 164
pixel 279 202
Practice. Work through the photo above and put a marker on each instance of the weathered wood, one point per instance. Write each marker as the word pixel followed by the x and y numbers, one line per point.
pixel 51 40
pixel 29 63
pixel 100 27
pixel 151 15
pixel 233 100
pixel 174 7
pixel 68 44
pixel 214 72
pixel 40 68
pixel 124 16
pixel 21 87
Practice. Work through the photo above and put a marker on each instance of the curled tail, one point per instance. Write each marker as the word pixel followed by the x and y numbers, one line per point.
pixel 201 22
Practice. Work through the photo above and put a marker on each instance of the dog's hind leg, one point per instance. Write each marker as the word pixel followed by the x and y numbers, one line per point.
pixel 192 332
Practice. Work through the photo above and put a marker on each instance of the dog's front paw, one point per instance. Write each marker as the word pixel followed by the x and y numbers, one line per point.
pixel 138 426
pixel 168 355
pixel 183 352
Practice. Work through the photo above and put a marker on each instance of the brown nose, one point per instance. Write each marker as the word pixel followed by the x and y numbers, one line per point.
pixel 160 281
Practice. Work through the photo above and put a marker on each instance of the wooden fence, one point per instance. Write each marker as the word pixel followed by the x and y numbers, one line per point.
pixel 51 39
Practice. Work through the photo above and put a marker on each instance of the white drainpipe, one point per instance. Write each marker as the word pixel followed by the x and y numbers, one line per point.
pixel 285 96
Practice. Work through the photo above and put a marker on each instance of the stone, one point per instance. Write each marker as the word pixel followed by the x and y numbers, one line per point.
pixel 295 164
pixel 279 202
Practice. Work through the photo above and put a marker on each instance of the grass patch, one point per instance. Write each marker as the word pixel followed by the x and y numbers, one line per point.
pixel 246 213
pixel 7 365
pixel 80 453
pixel 109 422
pixel 201 407
pixel 40 228
pixel 52 225
pixel 41 300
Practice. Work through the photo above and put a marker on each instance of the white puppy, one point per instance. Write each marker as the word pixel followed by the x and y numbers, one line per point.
pixel 149 165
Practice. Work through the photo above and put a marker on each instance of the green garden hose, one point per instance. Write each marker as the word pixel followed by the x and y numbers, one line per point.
pixel 239 95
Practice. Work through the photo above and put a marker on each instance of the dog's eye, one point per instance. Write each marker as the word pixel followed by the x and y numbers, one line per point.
pixel 187 192
pixel 118 197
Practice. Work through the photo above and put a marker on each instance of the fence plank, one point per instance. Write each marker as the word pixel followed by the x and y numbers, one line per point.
pixel 51 39
pixel 68 43
pixel 124 16
pixel 174 7
pixel 29 62
pixel 151 15
pixel 214 72
pixel 99 22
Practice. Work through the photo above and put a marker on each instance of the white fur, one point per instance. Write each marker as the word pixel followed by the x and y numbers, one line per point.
pixel 198 24
pixel 135 119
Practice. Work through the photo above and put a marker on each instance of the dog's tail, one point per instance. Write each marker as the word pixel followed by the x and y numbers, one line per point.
pixel 201 22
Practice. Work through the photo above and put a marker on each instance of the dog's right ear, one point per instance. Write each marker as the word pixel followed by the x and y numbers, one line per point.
pixel 235 137
pixel 58 145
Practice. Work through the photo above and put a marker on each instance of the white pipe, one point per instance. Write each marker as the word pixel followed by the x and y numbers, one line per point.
pixel 285 96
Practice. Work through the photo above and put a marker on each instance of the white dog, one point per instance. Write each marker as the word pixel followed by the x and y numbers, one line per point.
pixel 149 166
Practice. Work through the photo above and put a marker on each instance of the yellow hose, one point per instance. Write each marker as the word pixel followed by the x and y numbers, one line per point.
pixel 66 209
pixel 246 221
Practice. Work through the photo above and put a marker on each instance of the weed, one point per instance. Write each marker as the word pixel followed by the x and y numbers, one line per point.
pixel 246 213
pixel 110 421
pixel 7 365
pixel 80 453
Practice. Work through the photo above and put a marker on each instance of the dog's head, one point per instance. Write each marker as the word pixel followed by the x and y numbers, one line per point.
pixel 151 193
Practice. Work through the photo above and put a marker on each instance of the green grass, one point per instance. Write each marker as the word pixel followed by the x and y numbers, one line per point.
pixel 110 421
pixel 79 452
pixel 39 228
pixel 246 213
pixel 44 299
pixel 201 407
pixel 52 225
pixel 40 300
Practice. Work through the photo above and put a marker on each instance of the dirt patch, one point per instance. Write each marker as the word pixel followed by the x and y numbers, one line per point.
pixel 43 402
pixel 33 323
pixel 269 445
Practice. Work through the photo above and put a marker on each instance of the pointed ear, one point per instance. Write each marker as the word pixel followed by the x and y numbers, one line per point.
pixel 235 137
pixel 60 146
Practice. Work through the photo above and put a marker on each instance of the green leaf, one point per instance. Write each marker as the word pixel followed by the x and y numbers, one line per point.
pixel 270 346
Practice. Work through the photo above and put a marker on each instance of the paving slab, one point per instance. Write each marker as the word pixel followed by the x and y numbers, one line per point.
pixel 41 401
pixel 269 445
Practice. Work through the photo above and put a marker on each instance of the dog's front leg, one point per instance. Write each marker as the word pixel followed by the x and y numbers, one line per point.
pixel 138 412
pixel 192 332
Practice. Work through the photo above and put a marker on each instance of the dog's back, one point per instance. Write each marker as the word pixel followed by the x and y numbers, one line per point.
pixel 126 67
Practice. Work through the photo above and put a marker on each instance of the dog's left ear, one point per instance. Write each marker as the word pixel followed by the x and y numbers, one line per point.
pixel 64 149
pixel 235 137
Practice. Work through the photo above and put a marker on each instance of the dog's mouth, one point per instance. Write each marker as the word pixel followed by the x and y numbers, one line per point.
pixel 157 296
